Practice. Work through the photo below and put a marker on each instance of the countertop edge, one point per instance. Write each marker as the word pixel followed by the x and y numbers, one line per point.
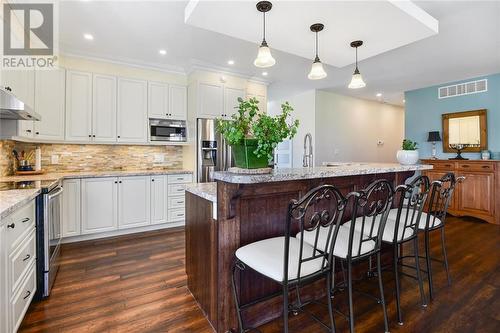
pixel 19 203
pixel 206 191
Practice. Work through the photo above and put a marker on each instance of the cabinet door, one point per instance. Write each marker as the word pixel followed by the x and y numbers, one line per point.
pixel 132 110
pixel 134 202
pixel 159 206
pixel 211 100
pixel 231 103
pixel 4 300
pixel 78 106
pixel 104 108
pixel 49 103
pixel 71 223
pixel 158 99
pixel 99 205
pixel 22 84
pixel 477 193
pixel 178 102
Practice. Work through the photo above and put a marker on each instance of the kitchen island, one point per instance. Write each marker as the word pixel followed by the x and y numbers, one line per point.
pixel 250 208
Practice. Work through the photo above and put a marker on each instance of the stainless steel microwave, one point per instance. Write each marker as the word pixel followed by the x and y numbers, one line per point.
pixel 167 130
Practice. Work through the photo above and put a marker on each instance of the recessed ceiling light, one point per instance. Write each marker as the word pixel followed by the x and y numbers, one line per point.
pixel 379 95
pixel 163 52
pixel 230 62
pixel 88 36
pixel 404 100
pixel 264 73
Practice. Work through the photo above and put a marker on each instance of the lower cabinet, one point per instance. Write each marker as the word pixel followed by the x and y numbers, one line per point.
pixel 100 205
pixel 133 202
pixel 17 266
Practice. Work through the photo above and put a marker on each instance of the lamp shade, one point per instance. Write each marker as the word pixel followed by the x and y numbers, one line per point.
pixel 434 137
pixel 357 81
pixel 264 58
pixel 317 71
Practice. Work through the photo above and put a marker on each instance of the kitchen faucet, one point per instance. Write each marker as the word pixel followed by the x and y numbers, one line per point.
pixel 307 159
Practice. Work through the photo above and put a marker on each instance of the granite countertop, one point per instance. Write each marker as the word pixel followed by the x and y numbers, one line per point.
pixel 333 170
pixel 12 199
pixel 207 191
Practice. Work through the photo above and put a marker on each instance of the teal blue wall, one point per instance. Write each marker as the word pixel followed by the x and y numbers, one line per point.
pixel 423 110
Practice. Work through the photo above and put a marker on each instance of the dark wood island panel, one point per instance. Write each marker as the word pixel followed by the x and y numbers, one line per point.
pixel 247 213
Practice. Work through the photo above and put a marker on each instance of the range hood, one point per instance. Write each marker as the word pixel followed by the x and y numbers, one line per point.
pixel 12 108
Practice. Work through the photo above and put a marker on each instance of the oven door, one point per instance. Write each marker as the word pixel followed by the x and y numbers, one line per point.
pixel 52 236
pixel 167 133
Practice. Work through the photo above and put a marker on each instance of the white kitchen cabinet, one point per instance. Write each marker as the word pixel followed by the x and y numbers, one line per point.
pixel 99 205
pixel 104 108
pixel 132 110
pixel 4 322
pixel 158 100
pixel 71 222
pixel 49 103
pixel 210 100
pixel 21 83
pixel 231 103
pixel 178 102
pixel 159 203
pixel 134 204
pixel 78 106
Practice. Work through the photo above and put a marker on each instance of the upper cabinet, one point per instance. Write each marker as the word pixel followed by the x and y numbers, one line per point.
pixel 49 103
pixel 158 98
pixel 104 108
pixel 78 106
pixel 231 103
pixel 132 110
pixel 178 102
pixel 210 100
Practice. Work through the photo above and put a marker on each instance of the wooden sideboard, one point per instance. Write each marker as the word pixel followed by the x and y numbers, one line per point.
pixel 479 195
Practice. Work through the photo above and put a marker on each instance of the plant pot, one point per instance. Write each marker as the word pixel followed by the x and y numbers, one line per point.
pixel 245 158
pixel 407 157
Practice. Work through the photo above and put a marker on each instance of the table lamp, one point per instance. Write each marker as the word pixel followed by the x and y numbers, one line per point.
pixel 434 137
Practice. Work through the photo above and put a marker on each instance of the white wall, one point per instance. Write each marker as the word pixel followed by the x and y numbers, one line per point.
pixel 304 110
pixel 348 129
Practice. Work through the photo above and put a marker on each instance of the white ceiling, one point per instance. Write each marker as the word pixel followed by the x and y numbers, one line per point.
pixel 399 22
pixel 133 31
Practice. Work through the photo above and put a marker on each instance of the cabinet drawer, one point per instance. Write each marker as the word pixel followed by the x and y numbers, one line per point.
pixel 176 189
pixel 20 260
pixel 19 223
pixel 176 214
pixel 448 166
pixel 176 202
pixel 485 167
pixel 180 179
pixel 22 300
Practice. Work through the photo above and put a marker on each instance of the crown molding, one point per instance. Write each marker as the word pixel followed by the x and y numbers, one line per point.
pixel 203 66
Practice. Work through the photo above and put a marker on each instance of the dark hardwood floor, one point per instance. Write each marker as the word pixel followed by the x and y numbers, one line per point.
pixel 138 284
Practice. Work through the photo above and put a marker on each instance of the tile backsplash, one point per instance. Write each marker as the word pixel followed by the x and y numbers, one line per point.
pixel 86 157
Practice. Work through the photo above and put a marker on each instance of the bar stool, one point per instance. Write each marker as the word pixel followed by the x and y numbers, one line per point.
pixel 351 246
pixel 292 262
pixel 402 227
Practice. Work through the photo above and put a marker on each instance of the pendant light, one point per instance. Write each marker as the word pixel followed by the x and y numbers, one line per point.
pixel 264 58
pixel 317 71
pixel 357 80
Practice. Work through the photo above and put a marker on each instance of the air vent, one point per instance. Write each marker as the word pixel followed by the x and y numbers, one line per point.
pixel 466 88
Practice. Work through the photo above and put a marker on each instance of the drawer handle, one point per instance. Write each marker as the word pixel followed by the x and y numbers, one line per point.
pixel 28 293
pixel 448 165
pixel 26 219
pixel 465 166
pixel 27 257
pixel 12 225
pixel 180 215
pixel 485 166
pixel 180 178
pixel 179 202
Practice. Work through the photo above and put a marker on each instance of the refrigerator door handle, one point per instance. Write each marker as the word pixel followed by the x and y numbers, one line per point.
pixel 224 153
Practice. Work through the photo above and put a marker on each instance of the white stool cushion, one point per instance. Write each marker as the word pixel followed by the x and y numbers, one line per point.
pixel 423 219
pixel 341 244
pixel 267 258
pixel 390 225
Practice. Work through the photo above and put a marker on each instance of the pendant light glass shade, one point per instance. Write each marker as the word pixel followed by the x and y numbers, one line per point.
pixel 357 81
pixel 264 57
pixel 317 71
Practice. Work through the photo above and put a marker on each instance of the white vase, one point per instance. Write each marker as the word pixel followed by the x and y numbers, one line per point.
pixel 407 157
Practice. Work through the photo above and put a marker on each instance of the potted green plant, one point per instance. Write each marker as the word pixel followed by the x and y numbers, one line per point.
pixel 408 155
pixel 253 136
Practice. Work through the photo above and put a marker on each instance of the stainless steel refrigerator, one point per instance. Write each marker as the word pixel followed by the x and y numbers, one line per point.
pixel 213 154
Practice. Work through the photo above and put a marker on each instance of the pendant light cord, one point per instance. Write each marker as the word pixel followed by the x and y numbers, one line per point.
pixel 264 15
pixel 316 44
pixel 356 70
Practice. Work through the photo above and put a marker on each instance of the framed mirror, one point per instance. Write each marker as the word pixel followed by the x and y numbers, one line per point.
pixel 467 128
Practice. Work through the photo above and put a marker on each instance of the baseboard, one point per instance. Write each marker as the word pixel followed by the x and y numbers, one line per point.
pixel 114 233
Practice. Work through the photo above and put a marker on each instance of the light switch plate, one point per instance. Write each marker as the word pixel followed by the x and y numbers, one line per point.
pixel 159 158
pixel 54 159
